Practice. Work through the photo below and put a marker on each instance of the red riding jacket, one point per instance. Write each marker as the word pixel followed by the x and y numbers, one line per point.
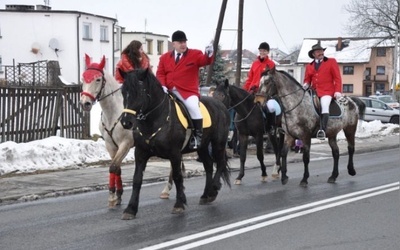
pixel 256 69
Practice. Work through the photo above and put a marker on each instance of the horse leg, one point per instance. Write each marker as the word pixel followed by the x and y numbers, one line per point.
pixel 180 203
pixel 277 145
pixel 350 148
pixel 209 194
pixel 115 180
pixel 112 196
pixel 335 155
pixel 165 192
pixel 167 189
pixel 260 156
pixel 285 149
pixel 243 141
pixel 140 165
pixel 306 161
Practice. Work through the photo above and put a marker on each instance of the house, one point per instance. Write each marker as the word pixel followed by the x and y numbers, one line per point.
pixel 366 64
pixel 154 45
pixel 31 33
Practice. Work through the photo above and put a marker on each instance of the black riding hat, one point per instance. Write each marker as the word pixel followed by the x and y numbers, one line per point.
pixel 178 36
pixel 264 45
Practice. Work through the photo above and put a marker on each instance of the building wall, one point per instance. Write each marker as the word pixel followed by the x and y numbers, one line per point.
pixel 23 31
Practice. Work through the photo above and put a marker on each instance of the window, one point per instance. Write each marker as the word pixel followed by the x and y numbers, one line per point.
pixel 160 47
pixel 291 72
pixel 117 36
pixel 149 43
pixel 380 51
pixel 348 88
pixel 103 33
pixel 87 31
pixel 380 70
pixel 348 70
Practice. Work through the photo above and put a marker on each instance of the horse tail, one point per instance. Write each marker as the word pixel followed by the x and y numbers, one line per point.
pixel 361 107
pixel 226 171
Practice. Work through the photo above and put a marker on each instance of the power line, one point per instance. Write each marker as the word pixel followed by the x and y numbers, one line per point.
pixel 276 27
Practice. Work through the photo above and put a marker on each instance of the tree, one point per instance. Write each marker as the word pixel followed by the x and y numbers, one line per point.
pixel 379 18
pixel 219 68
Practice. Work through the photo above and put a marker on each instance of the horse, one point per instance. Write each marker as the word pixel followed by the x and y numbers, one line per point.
pixel 100 86
pixel 301 121
pixel 161 132
pixel 249 121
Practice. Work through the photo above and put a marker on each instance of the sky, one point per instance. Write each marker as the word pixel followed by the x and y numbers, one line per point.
pixel 282 23
pixel 57 153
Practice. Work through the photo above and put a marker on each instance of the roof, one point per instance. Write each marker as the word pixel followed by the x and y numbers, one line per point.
pixel 355 50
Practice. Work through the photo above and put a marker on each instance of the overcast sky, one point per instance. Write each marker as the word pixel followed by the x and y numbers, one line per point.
pixel 281 23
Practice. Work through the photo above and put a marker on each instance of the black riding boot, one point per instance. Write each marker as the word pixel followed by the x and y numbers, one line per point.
pixel 324 122
pixel 271 122
pixel 198 133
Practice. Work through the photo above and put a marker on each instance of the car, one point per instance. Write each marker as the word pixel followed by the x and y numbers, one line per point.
pixel 388 99
pixel 205 90
pixel 378 110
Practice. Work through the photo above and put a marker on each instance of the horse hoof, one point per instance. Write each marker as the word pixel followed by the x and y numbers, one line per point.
pixel 275 176
pixel 203 201
pixel 119 202
pixel 238 182
pixel 264 178
pixel 285 181
pixel 303 184
pixel 126 216
pixel 164 196
pixel 352 172
pixel 112 202
pixel 177 210
pixel 331 180
pixel 211 199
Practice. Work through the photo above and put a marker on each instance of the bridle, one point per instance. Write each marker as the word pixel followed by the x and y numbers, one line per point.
pixel 239 103
pixel 99 96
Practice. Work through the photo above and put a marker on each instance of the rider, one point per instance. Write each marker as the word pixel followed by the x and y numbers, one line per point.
pixel 178 71
pixel 132 57
pixel 323 75
pixel 271 108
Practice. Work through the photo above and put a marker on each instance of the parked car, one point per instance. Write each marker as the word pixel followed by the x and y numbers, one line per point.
pixel 378 110
pixel 388 99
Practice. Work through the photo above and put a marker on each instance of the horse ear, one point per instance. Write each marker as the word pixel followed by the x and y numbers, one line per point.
pixel 103 62
pixel 226 83
pixel 87 60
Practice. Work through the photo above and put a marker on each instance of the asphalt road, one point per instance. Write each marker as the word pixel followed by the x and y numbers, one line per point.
pixel 347 215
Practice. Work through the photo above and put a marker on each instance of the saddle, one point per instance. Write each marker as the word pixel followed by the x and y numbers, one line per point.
pixel 335 110
pixel 184 117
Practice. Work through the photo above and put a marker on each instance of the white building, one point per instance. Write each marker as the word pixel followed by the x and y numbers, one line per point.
pixel 36 33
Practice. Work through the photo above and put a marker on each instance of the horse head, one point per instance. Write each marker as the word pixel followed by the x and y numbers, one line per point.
pixel 222 93
pixel 142 94
pixel 268 85
pixel 92 83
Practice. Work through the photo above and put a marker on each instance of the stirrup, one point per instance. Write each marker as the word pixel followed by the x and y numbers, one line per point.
pixel 321 134
pixel 193 143
pixel 272 131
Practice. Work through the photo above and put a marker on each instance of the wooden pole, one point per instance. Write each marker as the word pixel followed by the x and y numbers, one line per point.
pixel 216 39
pixel 239 44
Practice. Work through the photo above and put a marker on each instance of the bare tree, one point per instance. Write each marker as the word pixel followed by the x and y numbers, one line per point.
pixel 379 18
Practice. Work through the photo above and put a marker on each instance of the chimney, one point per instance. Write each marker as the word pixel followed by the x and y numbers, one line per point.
pixel 339 46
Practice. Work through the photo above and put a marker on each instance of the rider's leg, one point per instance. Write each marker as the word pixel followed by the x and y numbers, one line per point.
pixel 325 102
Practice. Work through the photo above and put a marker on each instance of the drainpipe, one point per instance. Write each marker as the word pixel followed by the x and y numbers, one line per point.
pixel 78 46
pixel 113 45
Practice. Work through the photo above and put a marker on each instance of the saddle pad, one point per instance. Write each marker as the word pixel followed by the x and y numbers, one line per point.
pixel 204 113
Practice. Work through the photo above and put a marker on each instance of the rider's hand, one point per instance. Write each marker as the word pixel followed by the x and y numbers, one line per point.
pixel 338 95
pixel 165 89
pixel 254 88
pixel 306 86
pixel 209 50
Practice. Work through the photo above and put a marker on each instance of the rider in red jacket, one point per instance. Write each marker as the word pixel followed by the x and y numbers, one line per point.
pixel 178 71
pixel 323 75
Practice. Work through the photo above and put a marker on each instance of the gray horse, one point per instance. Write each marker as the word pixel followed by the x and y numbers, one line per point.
pixel 301 120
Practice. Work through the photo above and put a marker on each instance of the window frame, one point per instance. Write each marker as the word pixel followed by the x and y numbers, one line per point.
pixel 348 88
pixel 149 46
pixel 381 52
pixel 348 70
pixel 104 33
pixel 378 70
pixel 87 31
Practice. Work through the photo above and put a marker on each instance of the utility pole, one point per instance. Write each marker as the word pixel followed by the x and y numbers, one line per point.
pixel 216 40
pixel 239 44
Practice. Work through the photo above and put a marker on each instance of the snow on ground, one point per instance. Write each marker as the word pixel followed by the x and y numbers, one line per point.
pixel 57 153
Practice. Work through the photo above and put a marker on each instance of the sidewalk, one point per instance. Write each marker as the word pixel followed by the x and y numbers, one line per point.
pixel 19 188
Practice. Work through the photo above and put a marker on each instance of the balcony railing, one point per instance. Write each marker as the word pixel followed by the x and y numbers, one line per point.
pixel 381 78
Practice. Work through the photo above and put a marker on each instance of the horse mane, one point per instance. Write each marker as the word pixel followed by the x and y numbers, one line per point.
pixel 265 73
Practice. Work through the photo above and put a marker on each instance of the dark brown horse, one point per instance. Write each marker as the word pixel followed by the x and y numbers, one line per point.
pixel 161 133
pixel 249 121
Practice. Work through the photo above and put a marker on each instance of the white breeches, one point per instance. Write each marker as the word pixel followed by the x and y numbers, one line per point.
pixel 325 102
pixel 191 103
